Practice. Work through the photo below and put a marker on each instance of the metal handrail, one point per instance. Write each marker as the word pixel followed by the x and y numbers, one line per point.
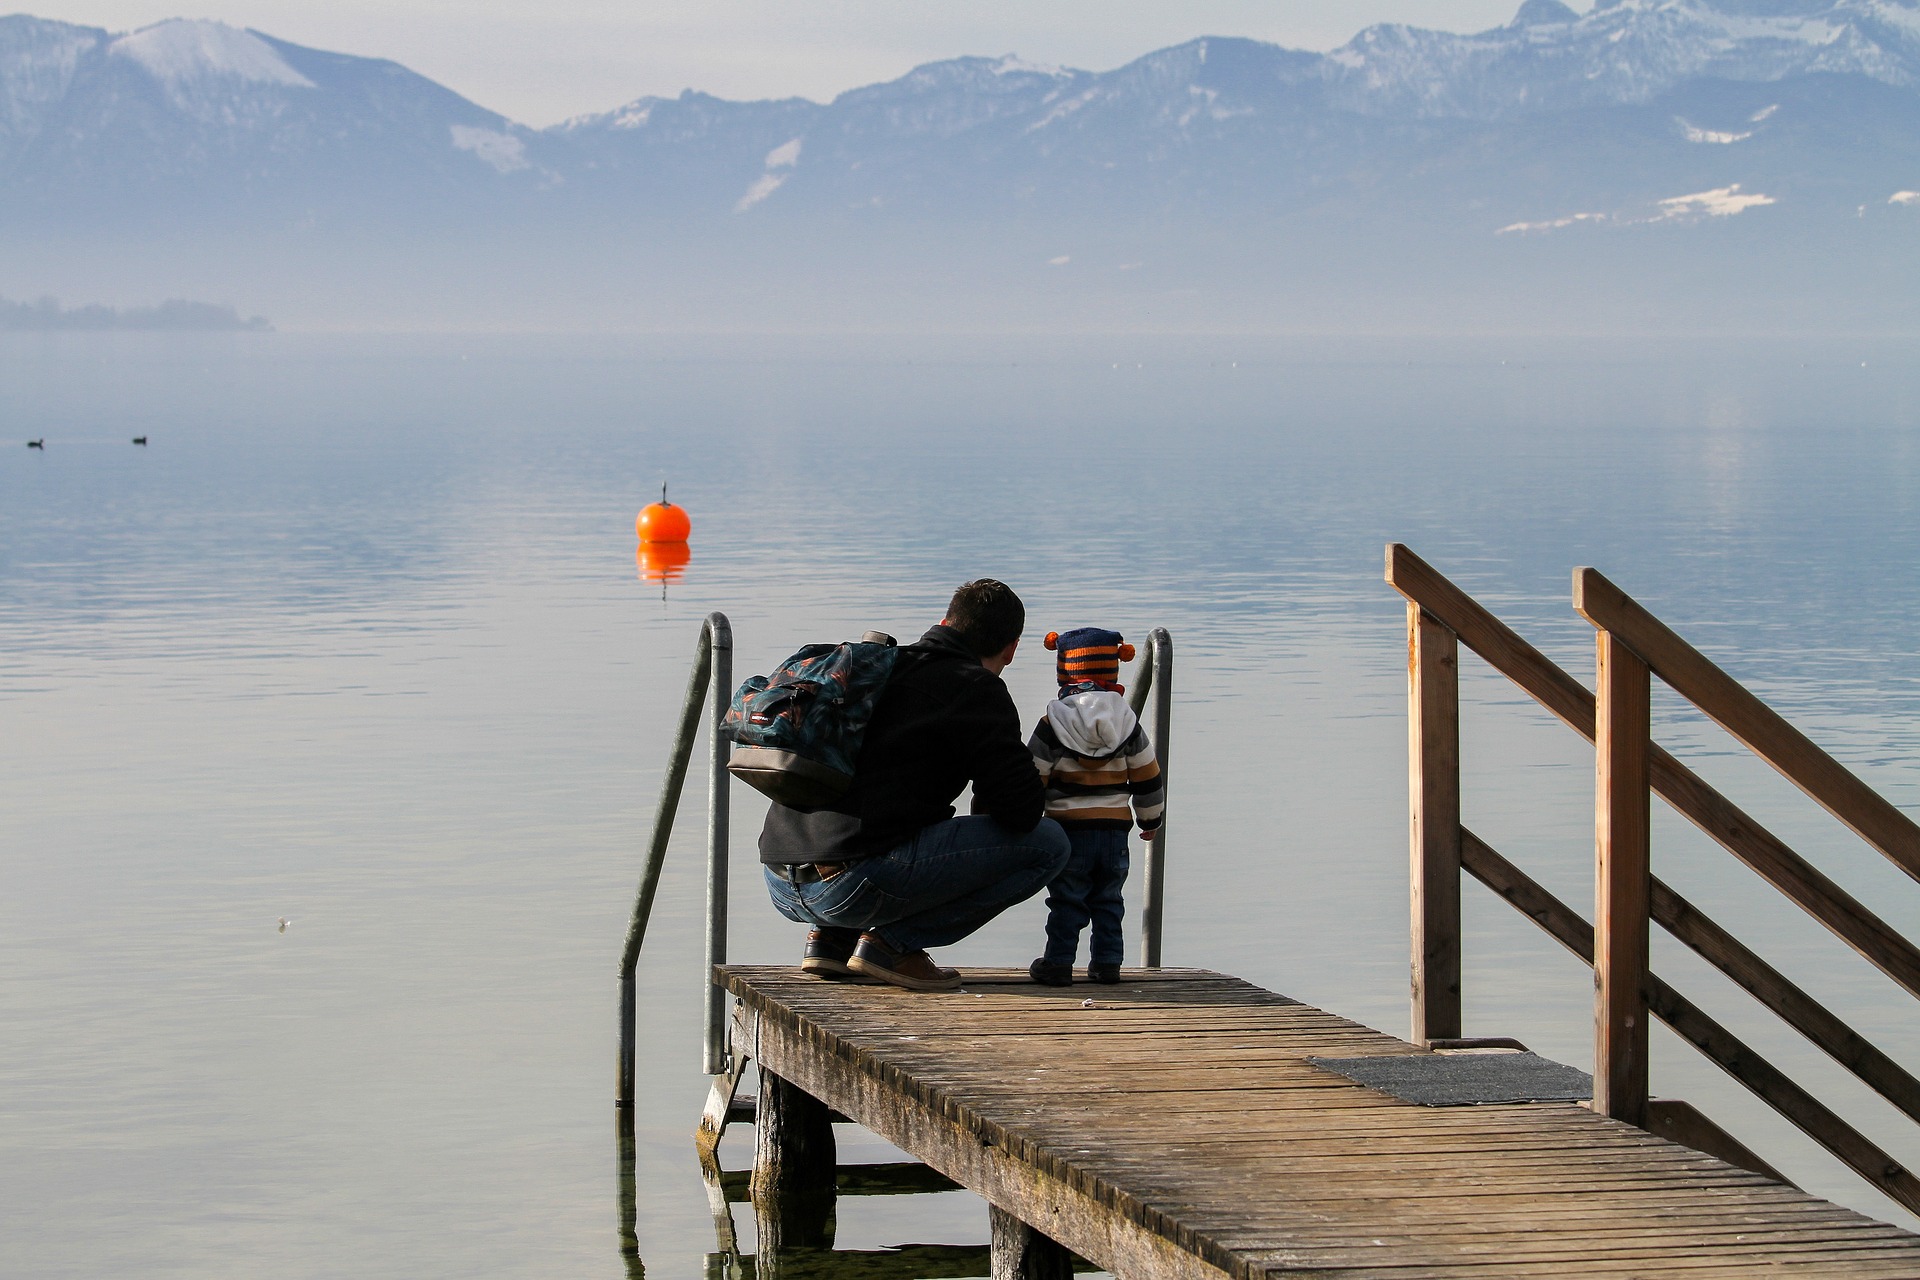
pixel 712 667
pixel 1155 675
pixel 714 1054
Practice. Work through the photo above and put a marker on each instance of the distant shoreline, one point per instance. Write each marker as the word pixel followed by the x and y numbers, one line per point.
pixel 46 315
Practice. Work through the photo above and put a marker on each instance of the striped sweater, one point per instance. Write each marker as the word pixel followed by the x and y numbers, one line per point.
pixel 1097 763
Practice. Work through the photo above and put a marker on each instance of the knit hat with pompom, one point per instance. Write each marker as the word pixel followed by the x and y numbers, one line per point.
pixel 1089 654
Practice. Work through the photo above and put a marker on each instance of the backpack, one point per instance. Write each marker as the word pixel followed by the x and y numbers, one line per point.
pixel 797 732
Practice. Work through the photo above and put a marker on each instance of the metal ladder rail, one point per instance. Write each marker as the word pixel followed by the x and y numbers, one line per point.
pixel 712 669
pixel 1155 676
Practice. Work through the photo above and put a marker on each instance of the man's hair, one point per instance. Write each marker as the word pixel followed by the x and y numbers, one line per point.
pixel 988 616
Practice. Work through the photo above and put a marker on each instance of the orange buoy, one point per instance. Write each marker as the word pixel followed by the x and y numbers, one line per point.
pixel 662 562
pixel 662 521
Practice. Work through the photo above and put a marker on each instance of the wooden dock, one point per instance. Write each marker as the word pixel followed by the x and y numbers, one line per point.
pixel 1173 1126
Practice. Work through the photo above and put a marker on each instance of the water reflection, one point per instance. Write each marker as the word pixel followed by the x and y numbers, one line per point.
pixel 629 1196
pixel 662 562
pixel 796 1241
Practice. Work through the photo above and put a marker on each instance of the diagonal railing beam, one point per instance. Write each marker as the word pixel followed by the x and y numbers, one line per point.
pixel 1776 991
pixel 1692 1024
pixel 1757 726
pixel 1768 856
pixel 1690 795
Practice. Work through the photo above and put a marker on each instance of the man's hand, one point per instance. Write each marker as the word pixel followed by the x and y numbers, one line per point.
pixel 1148 835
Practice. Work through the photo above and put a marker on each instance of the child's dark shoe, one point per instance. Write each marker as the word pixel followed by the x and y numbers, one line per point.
pixel 1106 975
pixel 1048 974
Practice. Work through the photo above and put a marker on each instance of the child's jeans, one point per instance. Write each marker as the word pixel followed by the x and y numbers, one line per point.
pixel 1088 888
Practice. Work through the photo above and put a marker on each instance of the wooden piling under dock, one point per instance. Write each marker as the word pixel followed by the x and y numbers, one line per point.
pixel 1172 1126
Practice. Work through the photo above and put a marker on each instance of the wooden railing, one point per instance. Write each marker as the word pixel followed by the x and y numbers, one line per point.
pixel 1634 646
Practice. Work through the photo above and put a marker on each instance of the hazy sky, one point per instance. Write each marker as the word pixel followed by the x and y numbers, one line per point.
pixel 542 63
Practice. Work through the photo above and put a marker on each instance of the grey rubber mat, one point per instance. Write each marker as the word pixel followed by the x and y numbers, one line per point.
pixel 1462 1079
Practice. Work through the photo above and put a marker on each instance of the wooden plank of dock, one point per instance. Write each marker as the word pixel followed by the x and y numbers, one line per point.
pixel 1175 1129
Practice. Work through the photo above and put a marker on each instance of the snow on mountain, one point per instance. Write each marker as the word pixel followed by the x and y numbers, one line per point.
pixel 1622 51
pixel 1722 202
pixel 502 152
pixel 97 125
pixel 211 73
pixel 1014 64
pixel 945 99
pixel 1605 113
pixel 1720 137
pixel 37 64
pixel 1005 117
pixel 185 56
pixel 1553 144
pixel 783 157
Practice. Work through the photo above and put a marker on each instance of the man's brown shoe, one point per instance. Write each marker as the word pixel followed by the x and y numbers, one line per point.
pixel 827 952
pixel 915 970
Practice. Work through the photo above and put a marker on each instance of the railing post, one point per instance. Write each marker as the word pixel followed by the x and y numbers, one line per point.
pixel 1622 884
pixel 715 1052
pixel 1433 788
pixel 1155 676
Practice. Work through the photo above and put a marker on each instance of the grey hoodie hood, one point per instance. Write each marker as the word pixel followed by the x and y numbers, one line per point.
pixel 1095 723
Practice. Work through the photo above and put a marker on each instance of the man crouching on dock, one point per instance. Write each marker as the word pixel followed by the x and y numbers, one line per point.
pixel 887 870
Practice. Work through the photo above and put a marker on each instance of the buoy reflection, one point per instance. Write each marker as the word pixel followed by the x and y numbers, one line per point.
pixel 662 562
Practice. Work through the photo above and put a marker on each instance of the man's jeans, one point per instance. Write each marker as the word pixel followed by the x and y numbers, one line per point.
pixel 944 883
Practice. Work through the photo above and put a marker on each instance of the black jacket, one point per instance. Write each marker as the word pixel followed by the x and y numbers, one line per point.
pixel 942 721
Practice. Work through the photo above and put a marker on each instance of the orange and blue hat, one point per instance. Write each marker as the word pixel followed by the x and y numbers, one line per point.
pixel 1089 655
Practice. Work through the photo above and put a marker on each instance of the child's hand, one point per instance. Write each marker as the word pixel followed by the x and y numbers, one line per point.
pixel 1148 835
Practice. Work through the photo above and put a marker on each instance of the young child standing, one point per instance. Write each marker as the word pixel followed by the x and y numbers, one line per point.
pixel 1100 773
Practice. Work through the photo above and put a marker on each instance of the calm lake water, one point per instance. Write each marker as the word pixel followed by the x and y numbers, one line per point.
pixel 359 639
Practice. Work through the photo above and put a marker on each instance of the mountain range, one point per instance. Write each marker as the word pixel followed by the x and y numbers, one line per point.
pixel 1676 159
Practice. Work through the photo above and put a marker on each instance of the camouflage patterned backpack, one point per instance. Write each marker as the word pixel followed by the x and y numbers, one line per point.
pixel 797 732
